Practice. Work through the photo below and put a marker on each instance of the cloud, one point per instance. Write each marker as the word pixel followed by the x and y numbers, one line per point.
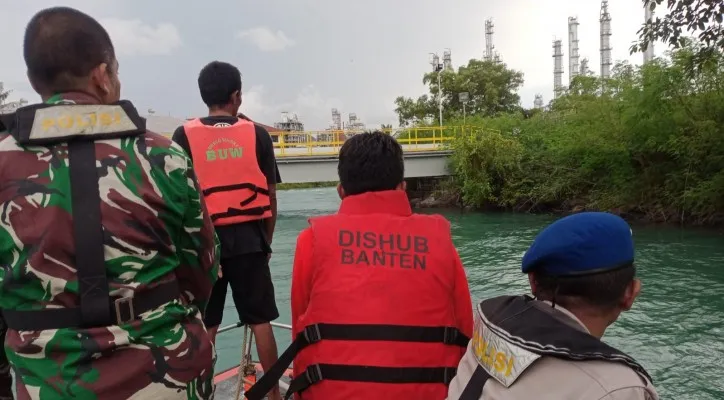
pixel 266 39
pixel 254 106
pixel 132 37
pixel 312 107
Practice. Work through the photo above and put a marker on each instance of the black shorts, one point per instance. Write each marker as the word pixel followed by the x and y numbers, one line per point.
pixel 251 288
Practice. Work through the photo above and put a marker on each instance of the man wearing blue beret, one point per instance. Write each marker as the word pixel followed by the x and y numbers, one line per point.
pixel 548 347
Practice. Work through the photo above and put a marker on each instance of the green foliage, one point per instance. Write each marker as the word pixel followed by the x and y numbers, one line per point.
pixel 3 94
pixel 684 16
pixel 650 144
pixel 491 87
pixel 305 185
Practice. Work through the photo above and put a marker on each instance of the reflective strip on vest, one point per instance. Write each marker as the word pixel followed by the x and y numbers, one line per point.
pixel 234 187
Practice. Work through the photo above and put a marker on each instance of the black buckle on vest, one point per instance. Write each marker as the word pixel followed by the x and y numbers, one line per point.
pixel 312 334
pixel 313 374
pixel 119 314
pixel 450 335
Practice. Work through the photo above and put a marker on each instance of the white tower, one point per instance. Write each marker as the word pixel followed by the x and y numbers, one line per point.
pixel 489 47
pixel 336 119
pixel 447 60
pixel 557 68
pixel 584 67
pixel 538 102
pixel 649 16
pixel 605 21
pixel 573 56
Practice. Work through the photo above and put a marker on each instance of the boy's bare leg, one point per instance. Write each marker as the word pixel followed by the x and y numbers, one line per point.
pixel 266 347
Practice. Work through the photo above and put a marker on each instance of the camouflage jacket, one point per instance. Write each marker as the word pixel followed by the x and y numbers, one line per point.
pixel 155 230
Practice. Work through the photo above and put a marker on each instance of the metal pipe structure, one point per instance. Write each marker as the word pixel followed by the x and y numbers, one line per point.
pixel 584 67
pixel 447 60
pixel 538 102
pixel 648 17
pixel 573 57
pixel 605 21
pixel 437 67
pixel 489 47
pixel 557 68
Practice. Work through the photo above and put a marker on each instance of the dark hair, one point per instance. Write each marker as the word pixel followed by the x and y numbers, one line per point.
pixel 370 162
pixel 602 290
pixel 62 46
pixel 217 82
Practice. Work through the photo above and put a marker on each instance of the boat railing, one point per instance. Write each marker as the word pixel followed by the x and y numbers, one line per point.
pixel 246 353
pixel 241 324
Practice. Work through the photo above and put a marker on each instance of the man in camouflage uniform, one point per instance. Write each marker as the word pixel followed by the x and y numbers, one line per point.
pixel 107 252
pixel 6 380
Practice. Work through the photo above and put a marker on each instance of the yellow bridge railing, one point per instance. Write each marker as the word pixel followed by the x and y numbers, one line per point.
pixel 322 143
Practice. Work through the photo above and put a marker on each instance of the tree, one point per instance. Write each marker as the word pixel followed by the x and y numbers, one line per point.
pixel 4 94
pixel 5 106
pixel 649 145
pixel 703 16
pixel 491 86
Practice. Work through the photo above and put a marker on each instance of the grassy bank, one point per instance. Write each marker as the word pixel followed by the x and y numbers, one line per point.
pixel 290 186
pixel 649 146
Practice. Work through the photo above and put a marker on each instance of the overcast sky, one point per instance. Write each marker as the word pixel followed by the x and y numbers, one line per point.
pixel 307 56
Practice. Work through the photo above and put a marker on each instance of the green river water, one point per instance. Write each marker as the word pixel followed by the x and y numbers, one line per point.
pixel 676 328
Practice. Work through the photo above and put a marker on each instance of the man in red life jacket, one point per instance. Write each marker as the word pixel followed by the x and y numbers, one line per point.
pixel 380 301
pixel 236 169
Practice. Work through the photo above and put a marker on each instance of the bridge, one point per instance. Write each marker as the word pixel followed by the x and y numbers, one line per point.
pixel 305 157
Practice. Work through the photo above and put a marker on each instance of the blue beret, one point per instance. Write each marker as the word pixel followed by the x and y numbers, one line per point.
pixel 581 244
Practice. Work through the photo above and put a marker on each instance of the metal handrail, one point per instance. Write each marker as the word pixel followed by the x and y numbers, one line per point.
pixel 241 324
pixel 319 143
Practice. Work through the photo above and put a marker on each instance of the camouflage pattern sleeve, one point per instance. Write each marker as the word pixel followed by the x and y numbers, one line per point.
pixel 198 246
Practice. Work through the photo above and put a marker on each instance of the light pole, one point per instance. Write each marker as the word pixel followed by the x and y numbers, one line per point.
pixel 463 97
pixel 437 67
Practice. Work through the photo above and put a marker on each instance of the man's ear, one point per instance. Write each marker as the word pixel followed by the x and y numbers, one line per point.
pixel 101 79
pixel 632 292
pixel 340 191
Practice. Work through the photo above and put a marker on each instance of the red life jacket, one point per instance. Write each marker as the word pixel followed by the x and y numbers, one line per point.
pixel 380 320
pixel 235 189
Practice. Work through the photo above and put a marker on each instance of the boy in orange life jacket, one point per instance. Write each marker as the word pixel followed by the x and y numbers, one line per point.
pixel 376 262
pixel 236 169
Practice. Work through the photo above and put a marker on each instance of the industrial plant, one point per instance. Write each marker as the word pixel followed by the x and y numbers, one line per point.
pixel 578 66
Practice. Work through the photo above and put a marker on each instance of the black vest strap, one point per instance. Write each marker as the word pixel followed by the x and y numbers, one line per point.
pixel 96 307
pixel 123 310
pixel 315 333
pixel 238 186
pixel 88 233
pixel 474 389
pixel 357 373
pixel 234 212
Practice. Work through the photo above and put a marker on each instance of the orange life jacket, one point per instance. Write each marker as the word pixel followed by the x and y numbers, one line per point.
pixel 380 320
pixel 235 189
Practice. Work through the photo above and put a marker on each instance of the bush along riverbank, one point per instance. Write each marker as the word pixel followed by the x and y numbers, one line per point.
pixel 305 185
pixel 648 146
